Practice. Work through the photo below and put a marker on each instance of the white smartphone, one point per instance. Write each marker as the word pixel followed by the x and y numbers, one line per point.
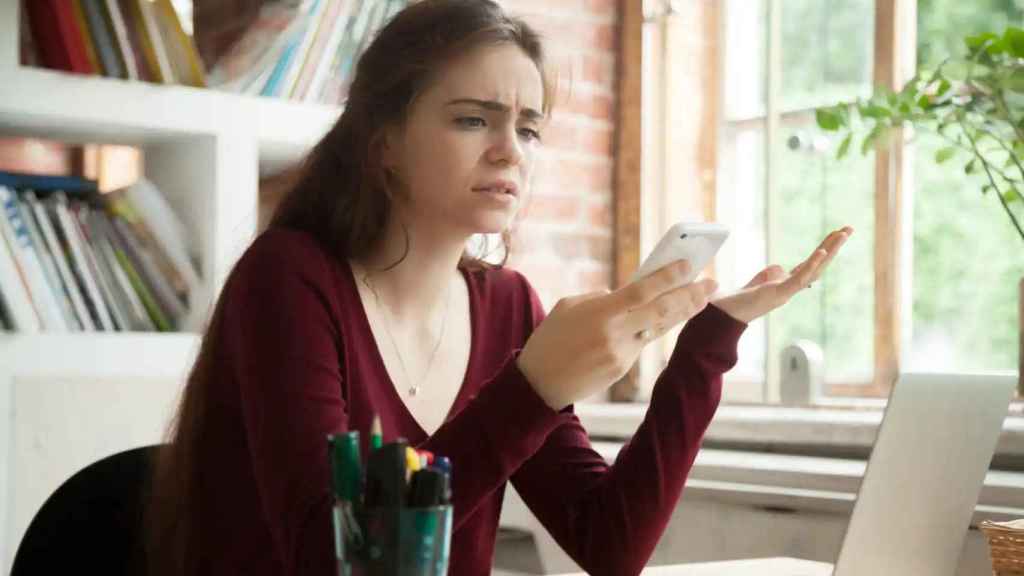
pixel 694 241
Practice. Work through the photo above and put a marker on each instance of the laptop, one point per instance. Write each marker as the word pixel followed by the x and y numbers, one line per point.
pixel 925 474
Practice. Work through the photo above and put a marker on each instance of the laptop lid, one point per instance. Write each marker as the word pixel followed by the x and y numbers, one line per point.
pixel 925 473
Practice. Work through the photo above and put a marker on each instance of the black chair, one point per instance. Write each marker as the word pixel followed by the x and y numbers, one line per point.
pixel 92 523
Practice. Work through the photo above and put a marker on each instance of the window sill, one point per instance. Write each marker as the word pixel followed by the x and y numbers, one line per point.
pixel 845 430
pixel 785 482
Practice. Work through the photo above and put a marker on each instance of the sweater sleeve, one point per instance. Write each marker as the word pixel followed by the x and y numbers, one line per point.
pixel 609 518
pixel 282 339
pixel 282 343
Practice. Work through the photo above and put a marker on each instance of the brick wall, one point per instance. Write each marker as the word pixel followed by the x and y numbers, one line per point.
pixel 564 241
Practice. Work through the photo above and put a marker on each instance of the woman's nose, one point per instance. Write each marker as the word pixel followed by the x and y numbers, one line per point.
pixel 507 148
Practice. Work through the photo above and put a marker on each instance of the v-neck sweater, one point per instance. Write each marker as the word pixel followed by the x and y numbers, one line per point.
pixel 299 362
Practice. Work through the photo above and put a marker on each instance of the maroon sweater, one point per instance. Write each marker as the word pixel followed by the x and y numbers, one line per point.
pixel 299 362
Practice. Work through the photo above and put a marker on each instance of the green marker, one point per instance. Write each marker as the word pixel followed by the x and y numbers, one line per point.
pixel 346 485
pixel 376 433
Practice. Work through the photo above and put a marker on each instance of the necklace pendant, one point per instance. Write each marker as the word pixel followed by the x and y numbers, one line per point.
pixel 414 390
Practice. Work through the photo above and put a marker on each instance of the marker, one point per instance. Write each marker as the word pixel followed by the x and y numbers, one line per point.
pixel 346 484
pixel 385 476
pixel 376 433
pixel 412 463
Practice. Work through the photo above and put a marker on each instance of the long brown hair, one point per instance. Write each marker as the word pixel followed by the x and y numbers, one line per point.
pixel 340 199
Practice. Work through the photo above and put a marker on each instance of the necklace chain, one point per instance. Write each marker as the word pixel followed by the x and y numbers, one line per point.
pixel 413 387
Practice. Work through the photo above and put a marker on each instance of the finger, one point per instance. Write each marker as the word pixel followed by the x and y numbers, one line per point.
pixel 834 249
pixel 681 303
pixel 650 288
pixel 570 301
pixel 803 275
pixel 769 274
pixel 672 322
pixel 834 239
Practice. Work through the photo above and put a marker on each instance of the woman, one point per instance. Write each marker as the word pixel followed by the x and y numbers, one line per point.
pixel 361 299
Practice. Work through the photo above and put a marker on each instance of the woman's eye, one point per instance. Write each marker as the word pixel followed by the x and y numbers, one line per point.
pixel 470 122
pixel 530 133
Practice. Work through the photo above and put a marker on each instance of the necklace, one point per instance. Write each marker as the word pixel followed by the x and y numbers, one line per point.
pixel 414 387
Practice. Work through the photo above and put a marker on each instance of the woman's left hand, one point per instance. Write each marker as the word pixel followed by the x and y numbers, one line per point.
pixel 773 286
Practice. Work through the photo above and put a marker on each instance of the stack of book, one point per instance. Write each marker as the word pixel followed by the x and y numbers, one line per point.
pixel 130 39
pixel 75 260
pixel 304 51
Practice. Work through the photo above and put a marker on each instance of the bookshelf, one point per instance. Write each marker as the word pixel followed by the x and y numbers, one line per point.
pixel 67 400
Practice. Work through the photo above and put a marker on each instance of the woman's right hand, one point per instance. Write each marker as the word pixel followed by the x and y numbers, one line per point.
pixel 589 342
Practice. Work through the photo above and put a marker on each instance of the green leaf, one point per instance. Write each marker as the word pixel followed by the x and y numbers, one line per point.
pixel 987 188
pixel 944 87
pixel 994 48
pixel 1013 41
pixel 976 41
pixel 1011 196
pixel 874 111
pixel 971 166
pixel 828 119
pixel 924 101
pixel 944 154
pixel 1015 81
pixel 869 140
pixel 844 147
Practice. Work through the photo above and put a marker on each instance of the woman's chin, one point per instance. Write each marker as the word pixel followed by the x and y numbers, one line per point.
pixel 491 222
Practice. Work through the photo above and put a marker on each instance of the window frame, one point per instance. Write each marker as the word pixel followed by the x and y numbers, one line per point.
pixel 895 41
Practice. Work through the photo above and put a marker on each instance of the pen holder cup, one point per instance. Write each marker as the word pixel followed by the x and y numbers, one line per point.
pixel 399 542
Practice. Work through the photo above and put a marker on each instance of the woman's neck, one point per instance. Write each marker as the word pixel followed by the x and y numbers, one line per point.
pixel 420 282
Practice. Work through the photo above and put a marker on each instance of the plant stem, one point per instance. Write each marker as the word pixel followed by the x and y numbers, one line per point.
pixel 1001 101
pixel 991 179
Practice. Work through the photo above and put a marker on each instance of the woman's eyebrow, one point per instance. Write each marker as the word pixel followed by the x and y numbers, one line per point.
pixel 528 113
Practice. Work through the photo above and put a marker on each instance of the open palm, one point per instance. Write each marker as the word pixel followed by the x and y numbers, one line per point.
pixel 773 286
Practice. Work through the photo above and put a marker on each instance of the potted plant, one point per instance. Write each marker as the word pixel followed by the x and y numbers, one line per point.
pixel 975 104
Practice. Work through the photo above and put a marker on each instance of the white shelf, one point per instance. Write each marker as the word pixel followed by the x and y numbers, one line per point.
pixel 79 108
pixel 98 354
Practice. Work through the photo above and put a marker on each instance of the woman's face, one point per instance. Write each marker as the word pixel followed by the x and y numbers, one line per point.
pixel 465 156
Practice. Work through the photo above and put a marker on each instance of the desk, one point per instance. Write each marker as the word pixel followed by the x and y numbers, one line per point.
pixel 758 567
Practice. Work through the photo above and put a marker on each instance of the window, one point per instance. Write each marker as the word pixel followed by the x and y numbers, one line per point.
pixel 910 292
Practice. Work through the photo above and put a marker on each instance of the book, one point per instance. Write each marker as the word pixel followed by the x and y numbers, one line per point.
pixel 119 28
pixel 6 324
pixel 56 36
pixel 143 14
pixel 302 49
pixel 324 65
pixel 143 66
pixel 156 314
pixel 43 183
pixel 324 31
pixel 87 42
pixel 93 298
pixel 138 317
pixel 53 278
pixel 104 279
pixel 154 216
pixel 181 51
pixel 20 243
pixel 17 300
pixel 45 218
pixel 103 38
pixel 254 51
pixel 147 268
